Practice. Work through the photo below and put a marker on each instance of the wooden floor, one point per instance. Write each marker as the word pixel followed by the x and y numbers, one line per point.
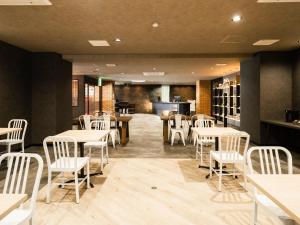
pixel 150 191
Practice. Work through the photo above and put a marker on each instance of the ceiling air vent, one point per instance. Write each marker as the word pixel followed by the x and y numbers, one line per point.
pixel 276 1
pixel 25 2
pixel 231 39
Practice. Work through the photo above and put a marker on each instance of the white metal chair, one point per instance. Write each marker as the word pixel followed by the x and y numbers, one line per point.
pixel 178 127
pixel 63 162
pixel 99 125
pixel 113 131
pixel 19 166
pixel 270 164
pixel 203 141
pixel 16 137
pixel 230 147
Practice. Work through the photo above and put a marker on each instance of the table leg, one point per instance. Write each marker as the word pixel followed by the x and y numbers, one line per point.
pixel 165 131
pixel 124 134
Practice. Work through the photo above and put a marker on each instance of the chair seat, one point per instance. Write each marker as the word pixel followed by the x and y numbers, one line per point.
pixel 177 129
pixel 227 157
pixel 95 144
pixel 8 141
pixel 68 164
pixel 17 216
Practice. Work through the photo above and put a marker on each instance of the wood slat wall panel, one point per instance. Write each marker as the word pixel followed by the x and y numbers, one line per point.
pixel 203 97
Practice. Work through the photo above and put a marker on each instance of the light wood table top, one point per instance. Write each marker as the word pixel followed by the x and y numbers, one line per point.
pixel 283 190
pixel 9 202
pixel 6 130
pixel 214 131
pixel 84 135
pixel 162 117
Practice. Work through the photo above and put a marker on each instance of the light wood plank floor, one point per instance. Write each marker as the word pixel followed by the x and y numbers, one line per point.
pixel 150 191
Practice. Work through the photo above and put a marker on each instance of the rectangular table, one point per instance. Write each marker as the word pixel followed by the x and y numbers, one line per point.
pixel 283 190
pixel 6 130
pixel 9 202
pixel 165 120
pixel 83 136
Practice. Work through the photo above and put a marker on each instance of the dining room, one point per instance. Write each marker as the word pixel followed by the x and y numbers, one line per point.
pixel 149 112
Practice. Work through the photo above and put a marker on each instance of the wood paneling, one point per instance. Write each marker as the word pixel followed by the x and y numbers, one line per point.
pixel 203 97
pixel 108 96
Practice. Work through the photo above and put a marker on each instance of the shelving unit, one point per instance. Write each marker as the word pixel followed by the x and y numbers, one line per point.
pixel 226 100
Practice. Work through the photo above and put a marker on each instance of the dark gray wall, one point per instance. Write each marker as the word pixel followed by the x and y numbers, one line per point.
pixel 51 95
pixel 296 81
pixel 15 85
pixel 250 97
pixel 275 85
pixel 187 92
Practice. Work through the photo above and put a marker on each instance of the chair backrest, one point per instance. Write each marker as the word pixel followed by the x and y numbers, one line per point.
pixel 19 165
pixel 269 159
pixel 232 143
pixel 101 125
pixel 87 122
pixel 61 151
pixel 107 120
pixel 81 122
pixel 17 123
pixel 204 123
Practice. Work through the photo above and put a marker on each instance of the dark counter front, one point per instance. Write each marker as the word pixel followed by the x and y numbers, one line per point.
pixel 179 107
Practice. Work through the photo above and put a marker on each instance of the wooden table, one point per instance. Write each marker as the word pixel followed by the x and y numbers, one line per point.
pixel 83 136
pixel 123 128
pixel 9 202
pixel 165 120
pixel 6 130
pixel 283 190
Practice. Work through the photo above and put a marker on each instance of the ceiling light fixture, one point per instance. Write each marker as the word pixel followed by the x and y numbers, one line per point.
pixel 153 73
pixel 155 25
pixel 193 72
pixel 138 81
pixel 117 40
pixel 99 43
pixel 236 18
pixel 266 42
pixel 111 65
pixel 221 64
pixel 25 2
pixel 276 1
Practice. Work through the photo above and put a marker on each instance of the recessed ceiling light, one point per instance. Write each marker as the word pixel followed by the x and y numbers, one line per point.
pixel 154 68
pixel 266 42
pixel 111 65
pixel 122 73
pixel 99 43
pixel 155 25
pixel 138 81
pixel 278 1
pixel 211 68
pixel 193 72
pixel 25 2
pixel 236 18
pixel 221 64
pixel 153 73
pixel 117 40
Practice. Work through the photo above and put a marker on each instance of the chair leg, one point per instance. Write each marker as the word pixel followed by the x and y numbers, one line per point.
pixel 195 138
pixel 49 188
pixel 197 151
pixel 245 176
pixel 182 137
pixel 31 221
pixel 113 139
pixel 220 177
pixel 201 153
pixel 210 166
pixel 254 219
pixel 23 148
pixel 101 165
pixel 88 175
pixel 8 148
pixel 172 137
pixel 63 180
pixel 119 137
pixel 76 187
pixel 106 154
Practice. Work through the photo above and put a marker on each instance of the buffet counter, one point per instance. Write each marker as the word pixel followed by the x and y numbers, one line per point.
pixel 179 107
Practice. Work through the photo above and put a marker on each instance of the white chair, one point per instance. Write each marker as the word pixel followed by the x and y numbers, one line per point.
pixel 194 118
pixel 87 122
pixel 113 131
pixel 230 147
pixel 16 137
pixel 81 122
pixel 203 141
pixel 178 127
pixel 19 166
pixel 63 162
pixel 99 125
pixel 269 163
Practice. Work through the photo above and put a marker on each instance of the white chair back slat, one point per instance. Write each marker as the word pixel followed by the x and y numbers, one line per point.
pixel 178 121
pixel 17 174
pixel 20 134
pixel 232 147
pixel 101 125
pixel 205 123
pixel 87 122
pixel 269 159
pixel 61 150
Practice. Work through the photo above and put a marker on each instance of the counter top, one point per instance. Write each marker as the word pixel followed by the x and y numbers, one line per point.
pixel 282 123
pixel 171 102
